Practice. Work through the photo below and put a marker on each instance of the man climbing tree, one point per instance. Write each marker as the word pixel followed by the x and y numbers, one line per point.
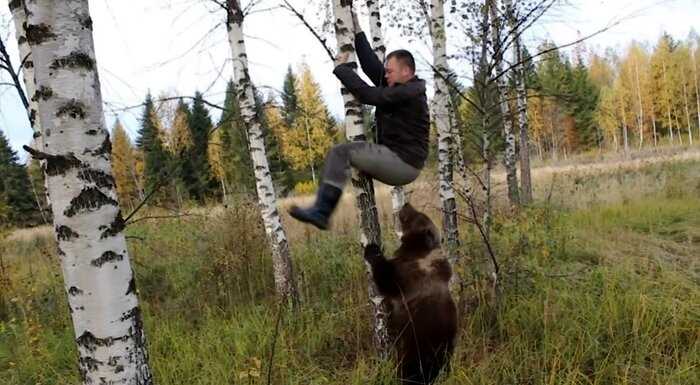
pixel 402 119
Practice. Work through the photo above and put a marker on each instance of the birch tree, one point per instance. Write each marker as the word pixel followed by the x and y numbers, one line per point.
pixel 520 85
pixel 441 113
pixel 510 152
pixel 26 67
pixel 282 262
pixel 88 223
pixel 364 189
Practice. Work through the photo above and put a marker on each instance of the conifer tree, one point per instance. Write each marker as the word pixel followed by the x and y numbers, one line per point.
pixel 155 167
pixel 124 165
pixel 196 171
pixel 235 154
pixel 306 142
pixel 15 187
pixel 289 97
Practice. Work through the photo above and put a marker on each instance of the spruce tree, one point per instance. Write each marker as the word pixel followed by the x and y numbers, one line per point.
pixel 15 189
pixel 582 105
pixel 156 160
pixel 235 156
pixel 289 97
pixel 198 176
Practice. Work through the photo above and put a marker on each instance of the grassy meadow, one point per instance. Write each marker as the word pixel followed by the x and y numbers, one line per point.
pixel 601 285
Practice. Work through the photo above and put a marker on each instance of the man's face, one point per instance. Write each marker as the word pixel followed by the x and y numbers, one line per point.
pixel 396 72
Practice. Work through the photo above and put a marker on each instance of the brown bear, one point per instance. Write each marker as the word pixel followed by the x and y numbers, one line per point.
pixel 423 315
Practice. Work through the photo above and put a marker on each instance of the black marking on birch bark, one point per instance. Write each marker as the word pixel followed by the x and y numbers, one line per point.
pixel 105 149
pixel 73 108
pixel 118 369
pixel 65 233
pixel 113 360
pixel 91 132
pixel 85 21
pixel 89 364
pixel 98 177
pixel 75 59
pixel 21 40
pixel 89 199
pixel 39 33
pixel 88 341
pixel 132 285
pixel 106 257
pixel 37 134
pixel 60 164
pixel 60 252
pixel 14 4
pixel 114 228
pixel 28 64
pixel 74 291
pixel 133 313
pixel 42 93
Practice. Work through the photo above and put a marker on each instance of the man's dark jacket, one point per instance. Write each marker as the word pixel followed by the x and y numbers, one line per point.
pixel 402 115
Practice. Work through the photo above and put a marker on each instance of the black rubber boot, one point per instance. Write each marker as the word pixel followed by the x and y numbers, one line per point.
pixel 318 214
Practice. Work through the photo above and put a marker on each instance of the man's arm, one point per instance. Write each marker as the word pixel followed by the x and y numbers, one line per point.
pixel 376 96
pixel 371 66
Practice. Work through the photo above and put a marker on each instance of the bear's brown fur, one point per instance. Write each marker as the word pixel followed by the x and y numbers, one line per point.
pixel 423 315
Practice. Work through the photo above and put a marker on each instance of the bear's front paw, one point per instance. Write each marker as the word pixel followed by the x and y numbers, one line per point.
pixel 372 252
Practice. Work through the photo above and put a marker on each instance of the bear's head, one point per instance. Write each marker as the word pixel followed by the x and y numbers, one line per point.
pixel 419 232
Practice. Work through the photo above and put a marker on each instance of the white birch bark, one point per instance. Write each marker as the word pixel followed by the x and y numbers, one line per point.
pixel 640 119
pixel 19 17
pixel 510 151
pixel 668 105
pixel 398 195
pixel 88 223
pixel 281 261
pixel 525 172
pixel 653 124
pixel 364 190
pixel 697 88
pixel 687 109
pixel 375 29
pixel 441 114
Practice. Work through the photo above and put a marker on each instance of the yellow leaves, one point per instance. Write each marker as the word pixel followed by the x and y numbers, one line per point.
pixel 253 370
pixel 307 141
pixel 124 168
pixel 180 135
pixel 214 155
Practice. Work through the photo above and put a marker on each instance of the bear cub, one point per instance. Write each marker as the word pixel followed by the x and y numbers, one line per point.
pixel 423 315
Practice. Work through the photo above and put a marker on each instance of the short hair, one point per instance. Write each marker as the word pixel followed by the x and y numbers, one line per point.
pixel 404 57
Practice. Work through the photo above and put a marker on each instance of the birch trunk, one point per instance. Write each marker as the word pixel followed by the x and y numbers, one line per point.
pixel 668 106
pixel 398 195
pixel 653 124
pixel 697 89
pixel 624 127
pixel 285 283
pixel 364 189
pixel 26 63
pixel 525 175
pixel 640 121
pixel 687 110
pixel 510 151
pixel 88 223
pixel 441 114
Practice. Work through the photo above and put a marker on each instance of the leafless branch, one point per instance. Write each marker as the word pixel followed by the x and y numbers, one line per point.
pixel 318 37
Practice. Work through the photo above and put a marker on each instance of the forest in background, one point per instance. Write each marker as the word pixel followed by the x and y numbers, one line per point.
pixel 645 95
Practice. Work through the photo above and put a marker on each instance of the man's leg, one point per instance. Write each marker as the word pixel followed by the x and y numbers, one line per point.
pixel 375 160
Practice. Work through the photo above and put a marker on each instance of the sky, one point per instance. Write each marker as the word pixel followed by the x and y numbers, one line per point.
pixel 175 47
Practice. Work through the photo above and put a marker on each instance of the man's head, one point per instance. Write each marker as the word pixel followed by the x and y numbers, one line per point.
pixel 400 67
